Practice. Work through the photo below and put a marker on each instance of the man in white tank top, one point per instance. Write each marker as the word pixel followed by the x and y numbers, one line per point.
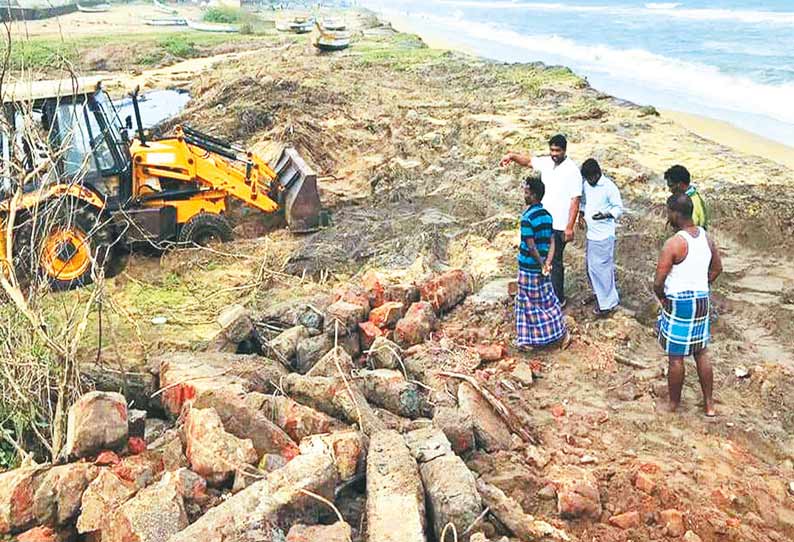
pixel 687 266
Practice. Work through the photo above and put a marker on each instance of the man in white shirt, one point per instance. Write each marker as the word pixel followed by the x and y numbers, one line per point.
pixel 602 206
pixel 563 183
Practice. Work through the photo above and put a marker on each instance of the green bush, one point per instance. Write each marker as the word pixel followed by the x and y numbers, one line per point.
pixel 179 46
pixel 226 15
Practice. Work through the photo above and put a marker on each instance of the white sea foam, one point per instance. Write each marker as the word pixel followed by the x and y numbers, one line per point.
pixel 662 9
pixel 700 83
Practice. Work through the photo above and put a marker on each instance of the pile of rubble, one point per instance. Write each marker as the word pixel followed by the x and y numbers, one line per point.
pixel 354 396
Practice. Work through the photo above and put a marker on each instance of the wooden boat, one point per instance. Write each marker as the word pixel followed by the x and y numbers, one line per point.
pixel 334 25
pixel 211 27
pixel 331 41
pixel 159 6
pixel 167 21
pixel 97 8
pixel 299 24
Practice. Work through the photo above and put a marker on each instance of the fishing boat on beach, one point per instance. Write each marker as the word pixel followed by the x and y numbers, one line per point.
pixel 297 24
pixel 162 8
pixel 334 25
pixel 211 27
pixel 329 41
pixel 166 21
pixel 96 8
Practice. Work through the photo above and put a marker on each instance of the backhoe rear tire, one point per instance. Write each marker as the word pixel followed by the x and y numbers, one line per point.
pixel 205 228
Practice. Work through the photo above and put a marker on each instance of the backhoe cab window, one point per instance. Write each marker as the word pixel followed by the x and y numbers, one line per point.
pixel 87 148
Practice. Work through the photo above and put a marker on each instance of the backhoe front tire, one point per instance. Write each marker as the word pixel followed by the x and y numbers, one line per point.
pixel 205 228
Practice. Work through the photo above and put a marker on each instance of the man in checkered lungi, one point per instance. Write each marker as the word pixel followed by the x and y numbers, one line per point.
pixel 539 318
pixel 687 266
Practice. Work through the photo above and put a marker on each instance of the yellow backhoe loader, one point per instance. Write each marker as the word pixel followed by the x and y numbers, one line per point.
pixel 100 190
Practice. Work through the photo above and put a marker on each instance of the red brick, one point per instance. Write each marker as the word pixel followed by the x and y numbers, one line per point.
pixel 673 522
pixel 628 520
pixel 387 315
pixel 446 290
pixel 416 326
pixel 644 482
pixel 106 458
pixel 490 352
pixel 368 332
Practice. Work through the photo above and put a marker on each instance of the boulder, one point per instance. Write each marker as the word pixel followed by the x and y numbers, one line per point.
pixel 458 427
pixel 416 326
pixel 336 397
pixel 310 350
pixel 490 432
pixel 446 290
pixel 141 469
pixel 577 493
pixel 285 344
pixel 263 510
pixel 58 497
pixel 390 390
pixel 346 447
pixel 338 532
pixel 236 326
pixel 97 421
pixel 395 496
pixel 153 515
pixel 17 490
pixel 212 452
pixel 387 315
pixel 297 420
pixel 103 496
pixel 242 416
pixel 337 361
pixel 342 318
pixel 384 354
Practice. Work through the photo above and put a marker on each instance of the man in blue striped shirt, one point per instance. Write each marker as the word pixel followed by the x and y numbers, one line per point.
pixel 539 318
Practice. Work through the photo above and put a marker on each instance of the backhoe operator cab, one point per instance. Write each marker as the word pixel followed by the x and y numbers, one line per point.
pixel 91 189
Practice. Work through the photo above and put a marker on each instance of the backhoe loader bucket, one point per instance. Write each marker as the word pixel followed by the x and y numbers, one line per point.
pixel 298 197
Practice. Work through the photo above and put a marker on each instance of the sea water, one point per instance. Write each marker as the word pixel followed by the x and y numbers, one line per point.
pixel 728 59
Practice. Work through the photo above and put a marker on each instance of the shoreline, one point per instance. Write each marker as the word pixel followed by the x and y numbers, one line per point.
pixel 716 130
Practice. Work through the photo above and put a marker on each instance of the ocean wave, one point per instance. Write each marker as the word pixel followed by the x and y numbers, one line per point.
pixel 662 9
pixel 701 83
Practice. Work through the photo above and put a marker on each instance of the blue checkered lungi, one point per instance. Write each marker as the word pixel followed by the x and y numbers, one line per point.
pixel 539 318
pixel 685 329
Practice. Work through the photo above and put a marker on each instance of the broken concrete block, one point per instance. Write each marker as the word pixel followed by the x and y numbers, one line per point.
pixel 141 469
pixel 102 497
pixel 310 350
pixel 335 363
pixel 387 315
pixel 372 284
pixel 342 318
pixel 577 493
pixel 285 344
pixel 450 487
pixel 236 326
pixel 338 532
pixel 402 293
pixel 263 510
pixel 96 422
pixel 384 354
pixel 368 333
pixel 512 516
pixel 416 326
pixel 153 515
pixel 212 452
pixel 390 390
pixel 490 432
pixel 395 496
pixel 458 427
pixel 351 343
pixel 17 489
pixel 446 290
pixel 57 500
pixel 241 415
pixel 335 397
pixel 346 447
pixel 297 420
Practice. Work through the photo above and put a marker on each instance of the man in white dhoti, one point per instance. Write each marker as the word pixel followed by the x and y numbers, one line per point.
pixel 602 207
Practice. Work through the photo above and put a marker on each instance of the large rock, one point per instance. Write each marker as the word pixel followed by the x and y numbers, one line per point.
pixel 237 326
pixel 343 317
pixel 395 496
pixel 263 510
pixel 153 515
pixel 346 447
pixel 297 420
pixel 58 497
pixel 212 452
pixel 310 350
pixel 387 315
pixel 301 311
pixel 46 534
pixel 96 422
pixel 368 333
pixel 103 496
pixel 141 469
pixel 285 345
pixel 390 390
pixel 336 397
pixel 384 354
pixel 335 363
pixel 446 290
pixel 403 293
pixel 458 427
pixel 450 487
pixel 577 493
pixel 184 376
pixel 338 532
pixel 416 326
pixel 17 490
pixel 242 416
pixel 490 431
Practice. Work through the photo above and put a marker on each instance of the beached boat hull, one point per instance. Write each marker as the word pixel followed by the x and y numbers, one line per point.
pixel 98 8
pixel 330 45
pixel 211 27
pixel 165 21
pixel 162 8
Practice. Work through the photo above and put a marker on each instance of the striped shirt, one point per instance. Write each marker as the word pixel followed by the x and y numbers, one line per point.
pixel 535 224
